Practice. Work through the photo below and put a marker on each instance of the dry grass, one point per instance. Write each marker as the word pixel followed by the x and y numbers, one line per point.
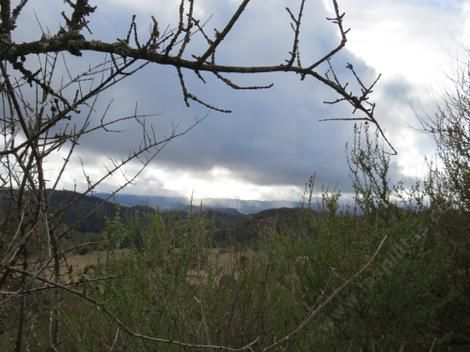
pixel 226 258
pixel 78 262
pixel 226 262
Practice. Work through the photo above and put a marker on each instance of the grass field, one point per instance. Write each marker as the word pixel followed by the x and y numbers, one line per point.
pixel 225 260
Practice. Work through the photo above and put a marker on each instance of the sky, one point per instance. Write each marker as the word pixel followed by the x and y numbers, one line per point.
pixel 273 140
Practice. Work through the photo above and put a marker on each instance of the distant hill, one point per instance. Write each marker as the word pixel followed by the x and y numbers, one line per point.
pixel 85 214
pixel 156 202
pixel 172 203
pixel 88 215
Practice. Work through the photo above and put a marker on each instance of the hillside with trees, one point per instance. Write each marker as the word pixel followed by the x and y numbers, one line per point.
pixel 390 272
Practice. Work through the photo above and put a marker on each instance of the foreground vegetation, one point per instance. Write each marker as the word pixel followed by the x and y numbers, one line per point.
pixel 391 273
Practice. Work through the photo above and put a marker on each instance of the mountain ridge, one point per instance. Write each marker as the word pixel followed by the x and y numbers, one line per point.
pixel 181 203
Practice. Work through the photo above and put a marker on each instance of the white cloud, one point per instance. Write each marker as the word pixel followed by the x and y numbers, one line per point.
pixel 218 182
pixel 466 33
pixel 413 42
pixel 407 38
pixel 272 140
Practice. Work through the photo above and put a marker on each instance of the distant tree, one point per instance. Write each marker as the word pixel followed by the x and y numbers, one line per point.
pixel 44 112
pixel 450 128
pixel 448 190
pixel 369 166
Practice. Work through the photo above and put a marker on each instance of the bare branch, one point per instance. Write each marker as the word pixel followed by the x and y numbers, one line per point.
pixel 220 36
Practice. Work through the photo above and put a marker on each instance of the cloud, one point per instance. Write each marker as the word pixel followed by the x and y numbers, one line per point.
pixel 273 137
pixel 272 142
pixel 407 38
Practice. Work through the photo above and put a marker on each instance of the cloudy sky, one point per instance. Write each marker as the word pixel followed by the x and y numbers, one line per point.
pixel 272 141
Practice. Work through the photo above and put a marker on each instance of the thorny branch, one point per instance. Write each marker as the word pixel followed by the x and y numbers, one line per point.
pixel 159 46
pixel 44 113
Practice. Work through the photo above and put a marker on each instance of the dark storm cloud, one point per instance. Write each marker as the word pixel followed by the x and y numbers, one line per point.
pixel 273 137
